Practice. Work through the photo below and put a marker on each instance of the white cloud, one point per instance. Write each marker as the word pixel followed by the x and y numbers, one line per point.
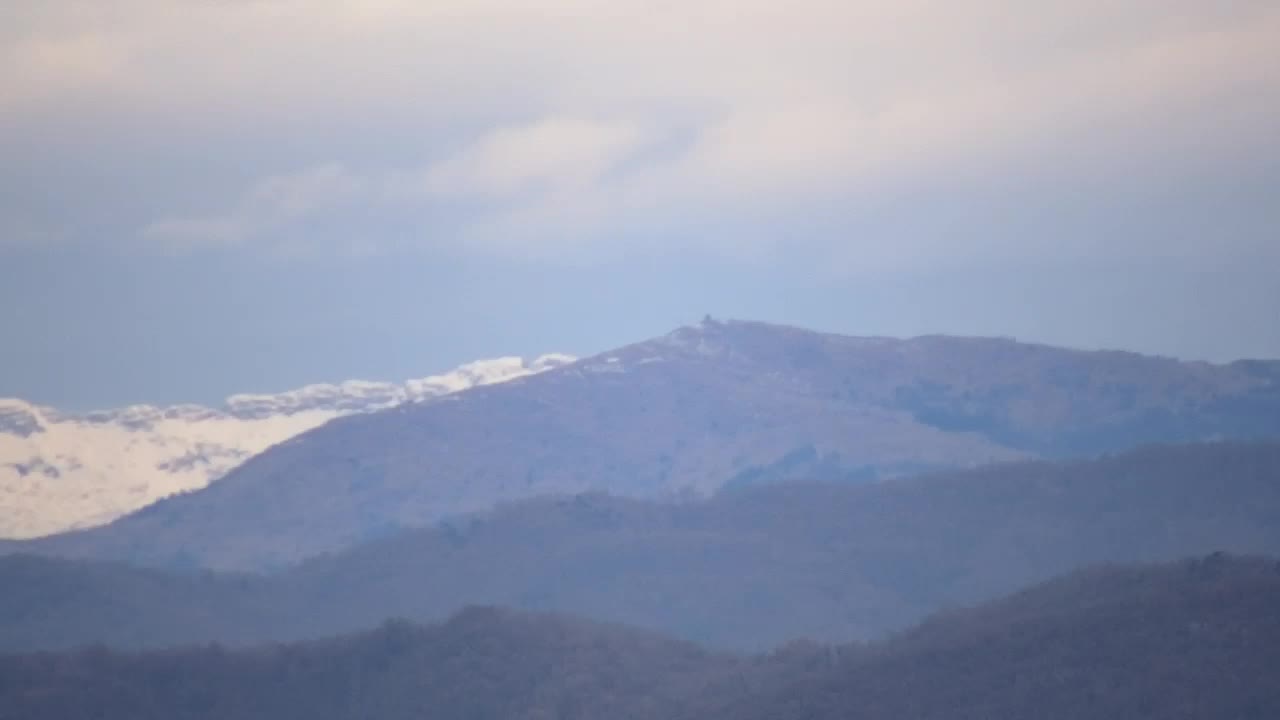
pixel 307 191
pixel 582 117
pixel 552 166
pixel 270 204
pixel 556 153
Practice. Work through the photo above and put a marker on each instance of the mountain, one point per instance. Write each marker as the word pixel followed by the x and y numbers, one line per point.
pixel 747 569
pixel 61 470
pixel 1193 639
pixel 721 404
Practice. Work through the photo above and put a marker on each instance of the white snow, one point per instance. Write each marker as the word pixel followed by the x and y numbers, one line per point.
pixel 62 471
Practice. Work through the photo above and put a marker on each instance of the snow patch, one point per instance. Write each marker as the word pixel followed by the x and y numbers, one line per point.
pixel 61 471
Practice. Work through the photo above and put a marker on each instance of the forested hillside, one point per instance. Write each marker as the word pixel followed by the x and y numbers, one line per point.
pixel 748 569
pixel 1193 639
pixel 1197 639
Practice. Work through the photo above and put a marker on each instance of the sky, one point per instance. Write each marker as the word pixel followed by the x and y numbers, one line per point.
pixel 215 196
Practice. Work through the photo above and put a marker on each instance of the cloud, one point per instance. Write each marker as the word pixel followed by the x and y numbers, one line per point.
pixel 554 162
pixel 45 69
pixel 269 205
pixel 552 154
pixel 568 126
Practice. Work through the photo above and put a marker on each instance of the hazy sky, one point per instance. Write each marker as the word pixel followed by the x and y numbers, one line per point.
pixel 199 197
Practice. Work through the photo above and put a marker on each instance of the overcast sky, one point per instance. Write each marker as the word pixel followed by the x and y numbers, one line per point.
pixel 200 197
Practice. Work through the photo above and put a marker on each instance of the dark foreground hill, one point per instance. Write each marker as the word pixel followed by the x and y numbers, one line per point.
pixel 484 663
pixel 1199 639
pixel 748 569
pixel 1195 639
pixel 720 404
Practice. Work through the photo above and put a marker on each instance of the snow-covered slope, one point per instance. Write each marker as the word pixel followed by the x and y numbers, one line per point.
pixel 60 471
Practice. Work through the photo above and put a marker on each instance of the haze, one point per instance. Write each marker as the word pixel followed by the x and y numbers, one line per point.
pixel 211 197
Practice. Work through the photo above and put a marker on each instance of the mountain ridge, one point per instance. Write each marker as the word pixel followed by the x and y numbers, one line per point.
pixel 68 470
pixel 689 412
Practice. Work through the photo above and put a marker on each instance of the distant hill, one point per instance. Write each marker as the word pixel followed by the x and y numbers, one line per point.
pixel 484 663
pixel 63 470
pixel 1193 639
pixel 720 404
pixel 748 569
